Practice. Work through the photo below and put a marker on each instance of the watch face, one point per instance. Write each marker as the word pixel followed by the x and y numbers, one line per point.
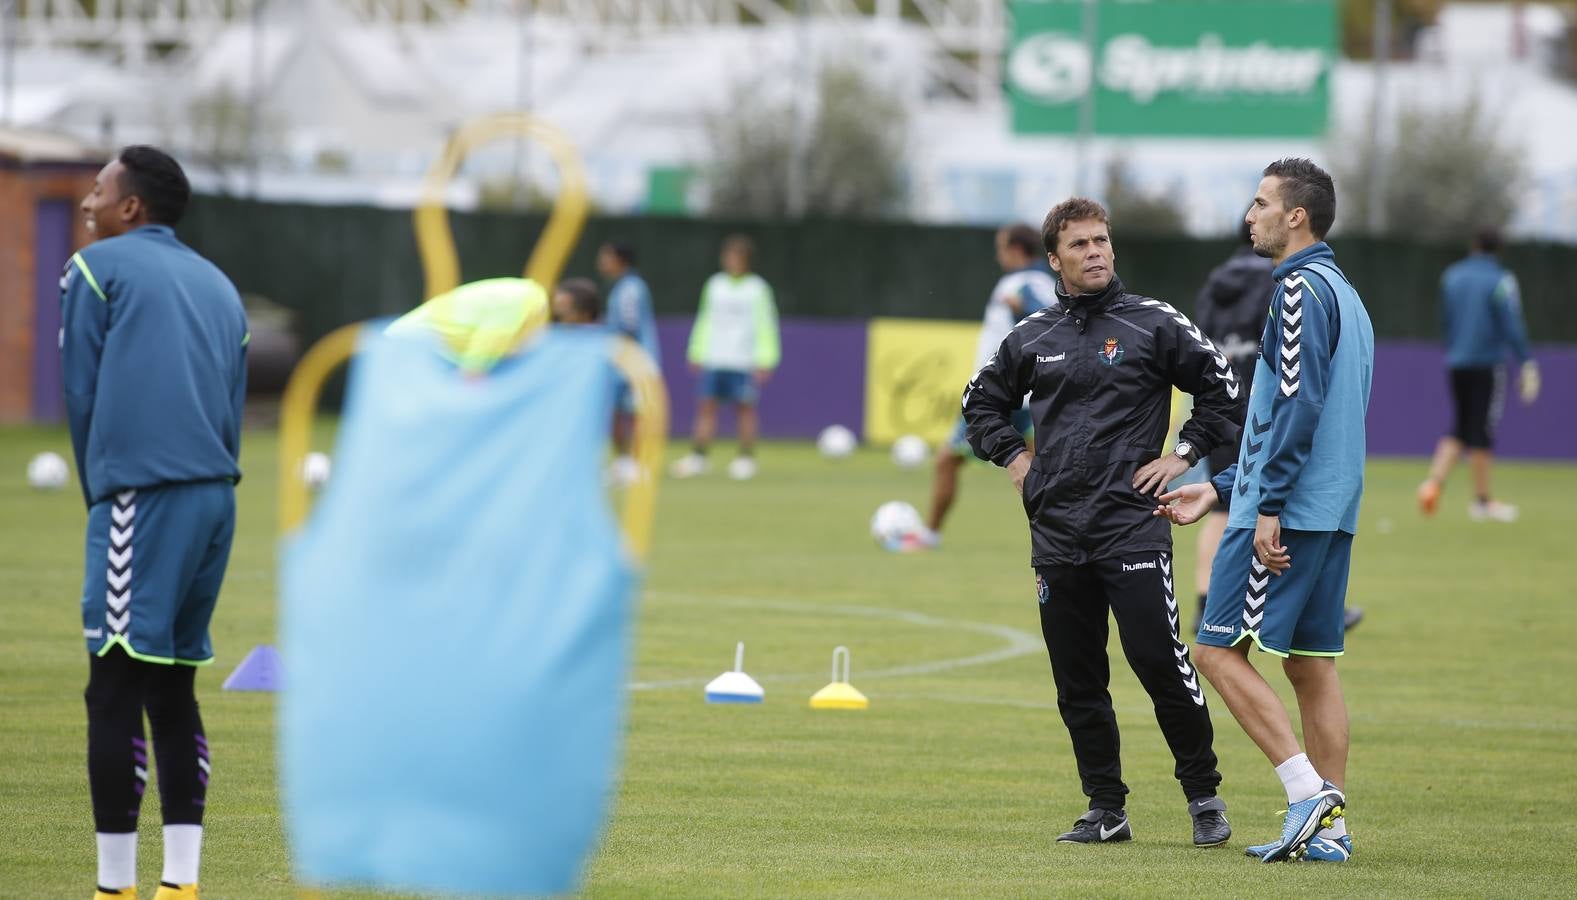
pixel 1184 448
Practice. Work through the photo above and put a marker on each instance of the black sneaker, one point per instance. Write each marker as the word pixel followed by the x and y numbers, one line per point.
pixel 1099 826
pixel 1211 828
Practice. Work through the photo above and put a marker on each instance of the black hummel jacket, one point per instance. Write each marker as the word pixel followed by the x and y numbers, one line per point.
pixel 1099 370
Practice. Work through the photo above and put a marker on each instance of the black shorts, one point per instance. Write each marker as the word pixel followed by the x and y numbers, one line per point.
pixel 1478 396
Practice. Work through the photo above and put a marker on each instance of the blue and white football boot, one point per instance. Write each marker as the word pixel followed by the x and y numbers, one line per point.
pixel 1320 849
pixel 1324 849
pixel 1304 820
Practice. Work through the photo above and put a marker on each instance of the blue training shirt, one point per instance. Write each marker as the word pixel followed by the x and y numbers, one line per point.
pixel 630 312
pixel 153 347
pixel 1303 446
pixel 1482 312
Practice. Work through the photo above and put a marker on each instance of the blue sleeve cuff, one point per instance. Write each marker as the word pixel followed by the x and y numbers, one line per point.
pixel 1223 482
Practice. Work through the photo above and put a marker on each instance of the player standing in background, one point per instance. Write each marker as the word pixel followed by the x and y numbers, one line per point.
pixel 1025 288
pixel 733 348
pixel 1482 310
pixel 1280 576
pixel 576 302
pixel 1231 312
pixel 630 313
pixel 153 347
pixel 1099 366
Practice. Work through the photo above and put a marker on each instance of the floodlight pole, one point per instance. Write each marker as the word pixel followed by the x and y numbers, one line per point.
pixel 253 111
pixel 799 159
pixel 1382 61
pixel 8 51
pixel 522 93
pixel 1081 167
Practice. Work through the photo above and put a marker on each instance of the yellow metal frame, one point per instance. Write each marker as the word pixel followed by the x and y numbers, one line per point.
pixel 441 265
pixel 296 411
pixel 435 239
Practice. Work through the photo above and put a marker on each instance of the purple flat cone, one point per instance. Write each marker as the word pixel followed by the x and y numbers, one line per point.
pixel 260 671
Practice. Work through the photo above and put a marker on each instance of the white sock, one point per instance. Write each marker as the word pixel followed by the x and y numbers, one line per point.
pixel 183 845
pixel 1335 831
pixel 1299 778
pixel 117 860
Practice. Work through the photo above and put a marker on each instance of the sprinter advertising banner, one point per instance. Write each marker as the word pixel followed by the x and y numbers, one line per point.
pixel 1238 68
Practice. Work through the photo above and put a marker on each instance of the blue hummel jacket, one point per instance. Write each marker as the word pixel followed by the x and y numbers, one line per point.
pixel 153 346
pixel 1482 311
pixel 1303 440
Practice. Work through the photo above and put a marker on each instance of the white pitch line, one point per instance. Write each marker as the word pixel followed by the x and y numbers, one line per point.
pixel 1019 643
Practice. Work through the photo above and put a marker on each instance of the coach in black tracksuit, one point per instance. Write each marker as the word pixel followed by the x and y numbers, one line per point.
pixel 1099 366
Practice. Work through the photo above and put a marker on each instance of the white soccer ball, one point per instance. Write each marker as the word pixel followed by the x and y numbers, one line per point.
pixel 894 521
pixel 315 469
pixel 836 442
pixel 48 471
pixel 910 451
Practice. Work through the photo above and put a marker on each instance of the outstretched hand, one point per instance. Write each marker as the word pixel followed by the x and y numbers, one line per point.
pixel 1188 504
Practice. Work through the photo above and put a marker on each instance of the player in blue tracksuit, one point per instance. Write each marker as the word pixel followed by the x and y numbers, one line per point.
pixel 629 312
pixel 1280 575
pixel 153 347
pixel 1482 314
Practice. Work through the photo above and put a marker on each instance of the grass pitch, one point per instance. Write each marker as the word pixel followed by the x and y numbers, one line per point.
pixel 959 777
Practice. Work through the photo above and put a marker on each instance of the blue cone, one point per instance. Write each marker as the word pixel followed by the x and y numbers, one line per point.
pixel 258 672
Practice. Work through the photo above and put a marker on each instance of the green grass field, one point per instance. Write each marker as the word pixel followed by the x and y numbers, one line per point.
pixel 959 777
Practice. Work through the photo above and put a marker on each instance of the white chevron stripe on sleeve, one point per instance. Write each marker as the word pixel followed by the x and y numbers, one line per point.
pixel 1224 371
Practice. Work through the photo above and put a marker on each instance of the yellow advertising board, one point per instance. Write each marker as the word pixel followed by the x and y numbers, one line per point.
pixel 916 370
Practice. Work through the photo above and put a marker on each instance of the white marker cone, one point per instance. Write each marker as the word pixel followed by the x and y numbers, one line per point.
pixel 735 686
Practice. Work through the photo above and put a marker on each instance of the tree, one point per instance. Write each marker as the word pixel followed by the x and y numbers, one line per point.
pixel 1450 173
pixel 1135 210
pixel 1407 18
pixel 853 157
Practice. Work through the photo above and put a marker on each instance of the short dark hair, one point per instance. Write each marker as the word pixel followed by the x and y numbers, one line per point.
pixel 155 178
pixel 583 291
pixel 1306 185
pixel 1488 240
pixel 1023 237
pixel 741 243
pixel 1075 209
pixel 624 250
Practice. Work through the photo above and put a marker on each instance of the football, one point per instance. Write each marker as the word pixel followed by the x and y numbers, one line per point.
pixel 315 470
pixel 836 442
pixel 895 521
pixel 47 471
pixel 910 451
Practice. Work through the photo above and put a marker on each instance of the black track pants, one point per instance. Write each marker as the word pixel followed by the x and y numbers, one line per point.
pixel 119 690
pixel 1138 591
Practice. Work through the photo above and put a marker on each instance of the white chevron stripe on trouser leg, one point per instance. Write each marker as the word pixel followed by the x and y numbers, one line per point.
pixel 117 576
pixel 1185 666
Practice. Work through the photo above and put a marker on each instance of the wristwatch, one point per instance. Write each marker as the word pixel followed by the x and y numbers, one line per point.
pixel 1185 452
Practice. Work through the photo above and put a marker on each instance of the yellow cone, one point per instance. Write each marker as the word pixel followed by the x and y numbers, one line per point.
pixel 840 694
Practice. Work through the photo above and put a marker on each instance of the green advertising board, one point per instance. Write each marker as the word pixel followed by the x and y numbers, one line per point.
pixel 1238 68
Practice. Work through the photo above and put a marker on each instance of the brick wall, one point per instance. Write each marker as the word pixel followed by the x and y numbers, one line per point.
pixel 21 187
